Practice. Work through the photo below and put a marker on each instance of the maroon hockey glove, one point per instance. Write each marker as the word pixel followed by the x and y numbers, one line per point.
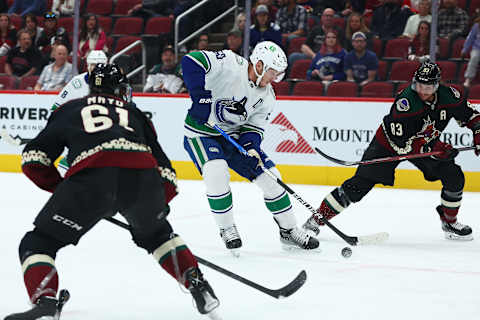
pixel 418 145
pixel 476 140
pixel 448 152
pixel 170 183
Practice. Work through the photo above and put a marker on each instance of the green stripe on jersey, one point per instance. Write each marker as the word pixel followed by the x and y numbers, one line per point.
pixel 190 123
pixel 200 58
pixel 278 205
pixel 220 204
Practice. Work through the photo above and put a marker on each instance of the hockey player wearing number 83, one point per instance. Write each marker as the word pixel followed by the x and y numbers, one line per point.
pixel 416 120
pixel 117 165
pixel 236 95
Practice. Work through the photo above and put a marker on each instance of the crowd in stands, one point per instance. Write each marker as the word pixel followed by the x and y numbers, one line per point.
pixel 334 47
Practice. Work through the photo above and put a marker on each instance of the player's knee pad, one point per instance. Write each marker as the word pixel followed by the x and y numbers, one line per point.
pixel 153 240
pixel 356 188
pixel 453 178
pixel 269 186
pixel 36 242
pixel 216 176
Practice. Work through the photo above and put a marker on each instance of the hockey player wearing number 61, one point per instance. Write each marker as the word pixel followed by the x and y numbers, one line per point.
pixel 416 120
pixel 117 165
pixel 237 95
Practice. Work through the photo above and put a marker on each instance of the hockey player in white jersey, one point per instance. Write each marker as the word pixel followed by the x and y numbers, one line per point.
pixel 78 86
pixel 237 95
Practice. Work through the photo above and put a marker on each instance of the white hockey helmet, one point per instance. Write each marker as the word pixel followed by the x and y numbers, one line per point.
pixel 95 57
pixel 272 57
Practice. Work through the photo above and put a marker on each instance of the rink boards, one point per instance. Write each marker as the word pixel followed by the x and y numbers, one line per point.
pixel 341 127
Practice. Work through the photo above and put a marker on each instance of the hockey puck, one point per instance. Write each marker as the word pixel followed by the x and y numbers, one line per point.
pixel 346 252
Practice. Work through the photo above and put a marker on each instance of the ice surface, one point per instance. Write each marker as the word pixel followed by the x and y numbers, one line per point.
pixel 416 274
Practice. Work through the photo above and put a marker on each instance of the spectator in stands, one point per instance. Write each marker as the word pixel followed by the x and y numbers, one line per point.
pixel 52 34
pixel 239 23
pixel 22 7
pixel 8 35
pixel 341 8
pixel 327 65
pixel 92 37
pixel 30 23
pixel 472 45
pixel 389 20
pixel 316 38
pixel 292 19
pixel 165 77
pixel 149 8
pixel 452 21
pixel 57 74
pixel 263 29
pixel 63 8
pixel 235 41
pixel 356 23
pixel 201 43
pixel 272 10
pixel 23 60
pixel 423 14
pixel 419 49
pixel 360 64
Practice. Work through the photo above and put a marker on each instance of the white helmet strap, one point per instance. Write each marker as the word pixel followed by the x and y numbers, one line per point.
pixel 259 76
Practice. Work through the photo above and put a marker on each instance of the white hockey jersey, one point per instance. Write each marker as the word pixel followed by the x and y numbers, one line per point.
pixel 226 76
pixel 76 88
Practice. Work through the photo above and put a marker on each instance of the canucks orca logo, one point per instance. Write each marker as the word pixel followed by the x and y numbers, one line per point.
pixel 231 111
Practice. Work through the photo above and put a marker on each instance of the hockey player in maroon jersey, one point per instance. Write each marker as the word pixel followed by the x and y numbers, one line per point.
pixel 416 120
pixel 116 165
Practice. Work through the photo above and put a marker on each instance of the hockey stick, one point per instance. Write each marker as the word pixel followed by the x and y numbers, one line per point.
pixel 353 241
pixel 9 139
pixel 386 159
pixel 283 292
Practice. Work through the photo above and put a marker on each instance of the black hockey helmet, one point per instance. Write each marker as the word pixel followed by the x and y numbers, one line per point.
pixel 428 73
pixel 109 79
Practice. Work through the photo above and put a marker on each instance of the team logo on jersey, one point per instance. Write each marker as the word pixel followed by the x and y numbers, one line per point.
pixel 429 132
pixel 219 54
pixel 228 111
pixel 77 84
pixel 282 136
pixel 455 92
pixel 239 59
pixel 403 105
pixel 213 149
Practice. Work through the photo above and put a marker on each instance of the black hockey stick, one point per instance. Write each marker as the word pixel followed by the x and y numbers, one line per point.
pixel 386 159
pixel 283 292
pixel 353 241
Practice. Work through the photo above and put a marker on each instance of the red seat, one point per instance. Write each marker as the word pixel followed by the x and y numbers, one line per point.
pixel 377 47
pixel 377 89
pixel 449 70
pixel 397 48
pixel 308 88
pixel 128 25
pixel 300 68
pixel 474 92
pixel 66 23
pixel 122 6
pixel 7 82
pixel 382 70
pixel 110 44
pixel 342 89
pixel 339 22
pixel 443 48
pixel 28 83
pixel 474 8
pixel 158 25
pixel 281 88
pixel 457 49
pixel 401 87
pixel 125 41
pixel 3 60
pixel 310 23
pixel 105 23
pixel 100 7
pixel 295 44
pixel 403 70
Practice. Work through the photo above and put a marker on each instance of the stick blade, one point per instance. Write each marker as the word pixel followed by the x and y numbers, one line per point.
pixel 375 238
pixel 292 287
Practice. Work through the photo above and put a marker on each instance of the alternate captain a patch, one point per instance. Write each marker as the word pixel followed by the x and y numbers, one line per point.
pixel 403 105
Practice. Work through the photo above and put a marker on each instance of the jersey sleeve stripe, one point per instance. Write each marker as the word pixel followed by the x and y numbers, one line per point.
pixel 201 59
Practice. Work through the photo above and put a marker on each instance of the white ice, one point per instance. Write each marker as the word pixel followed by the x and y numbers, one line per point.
pixel 416 274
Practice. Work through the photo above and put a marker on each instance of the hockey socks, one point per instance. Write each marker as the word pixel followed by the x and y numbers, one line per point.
pixel 175 257
pixel 40 276
pixel 450 204
pixel 334 203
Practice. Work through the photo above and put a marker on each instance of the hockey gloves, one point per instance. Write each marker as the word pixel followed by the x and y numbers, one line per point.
pixel 169 182
pixel 476 140
pixel 251 142
pixel 200 110
pixel 448 152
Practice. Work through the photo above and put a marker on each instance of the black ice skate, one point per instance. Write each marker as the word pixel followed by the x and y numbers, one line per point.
pixel 455 230
pixel 297 238
pixel 231 238
pixel 201 291
pixel 46 308
pixel 312 226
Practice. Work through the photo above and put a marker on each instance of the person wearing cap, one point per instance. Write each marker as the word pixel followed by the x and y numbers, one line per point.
pixel 165 77
pixel 235 41
pixel 360 64
pixel 22 7
pixel 51 34
pixel 264 29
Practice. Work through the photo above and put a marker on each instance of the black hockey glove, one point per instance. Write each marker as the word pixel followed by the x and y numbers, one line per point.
pixel 238 108
pixel 170 183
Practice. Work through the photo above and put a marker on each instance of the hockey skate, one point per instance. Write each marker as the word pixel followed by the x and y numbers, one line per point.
pixel 46 308
pixel 232 240
pixel 202 292
pixel 455 230
pixel 297 238
pixel 311 226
